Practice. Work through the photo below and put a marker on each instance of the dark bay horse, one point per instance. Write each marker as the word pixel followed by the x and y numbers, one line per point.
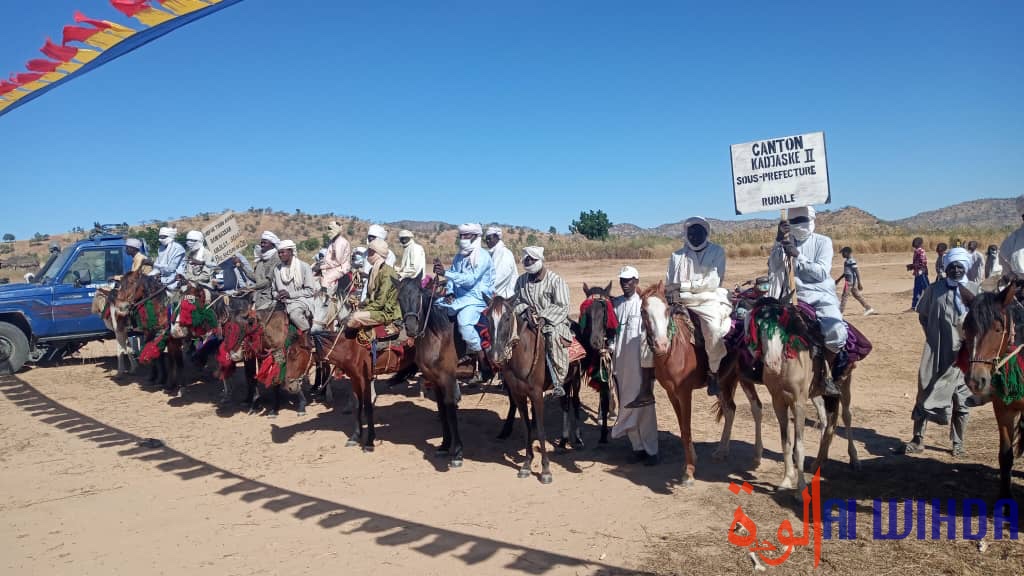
pixel 434 336
pixel 144 299
pixel 995 372
pixel 519 351
pixel 344 351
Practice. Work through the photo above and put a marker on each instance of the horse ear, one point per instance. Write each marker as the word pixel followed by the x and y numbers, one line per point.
pixel 586 289
pixel 419 277
pixel 488 299
pixel 608 288
pixel 660 286
pixel 1008 294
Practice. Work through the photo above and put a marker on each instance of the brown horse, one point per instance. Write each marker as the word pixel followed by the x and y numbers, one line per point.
pixel 144 299
pixel 677 364
pixel 344 351
pixel 518 350
pixel 103 306
pixel 436 358
pixel 995 372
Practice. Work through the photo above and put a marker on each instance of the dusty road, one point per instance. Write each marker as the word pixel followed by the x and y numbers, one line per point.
pixel 229 493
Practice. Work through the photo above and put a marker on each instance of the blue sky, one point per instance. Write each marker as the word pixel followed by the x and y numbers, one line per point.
pixel 520 112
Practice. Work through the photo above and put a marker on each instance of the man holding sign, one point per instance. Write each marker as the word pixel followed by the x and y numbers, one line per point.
pixel 812 265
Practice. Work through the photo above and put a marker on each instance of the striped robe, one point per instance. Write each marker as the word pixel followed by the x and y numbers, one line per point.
pixel 550 300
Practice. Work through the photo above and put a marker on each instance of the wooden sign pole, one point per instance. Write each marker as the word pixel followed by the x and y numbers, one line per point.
pixel 790 265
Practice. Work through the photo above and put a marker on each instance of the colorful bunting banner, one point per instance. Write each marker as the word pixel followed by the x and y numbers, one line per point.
pixel 107 40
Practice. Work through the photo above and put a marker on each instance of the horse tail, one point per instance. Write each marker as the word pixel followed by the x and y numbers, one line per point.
pixel 1020 435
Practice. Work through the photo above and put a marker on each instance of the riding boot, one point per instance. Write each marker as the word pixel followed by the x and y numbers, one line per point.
pixel 832 372
pixel 646 395
pixel 712 381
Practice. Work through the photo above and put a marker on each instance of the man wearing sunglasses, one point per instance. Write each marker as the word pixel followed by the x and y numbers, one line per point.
pixel 812 264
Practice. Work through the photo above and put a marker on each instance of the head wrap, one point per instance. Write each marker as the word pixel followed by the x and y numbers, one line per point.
pixel 194 235
pixel 270 237
pixel 957 255
pixel 133 243
pixel 286 245
pixel 379 247
pixel 799 211
pixel 801 231
pixel 168 231
pixel 697 221
pixel 377 231
pixel 1020 204
pixel 405 234
pixel 629 272
pixel 334 228
pixel 294 269
pixel 470 228
pixel 535 252
pixel 493 231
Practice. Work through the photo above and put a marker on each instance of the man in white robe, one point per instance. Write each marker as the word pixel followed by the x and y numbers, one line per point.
pixel 640 424
pixel 696 272
pixel 505 270
pixel 414 260
pixel 294 285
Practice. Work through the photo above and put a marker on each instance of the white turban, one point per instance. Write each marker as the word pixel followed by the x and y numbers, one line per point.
pixel 286 245
pixel 470 228
pixel 334 228
pixel 168 231
pixel 494 231
pixel 133 243
pixel 535 252
pixel 270 237
pixel 194 235
pixel 799 211
pixel 380 247
pixel 405 234
pixel 377 231
pixel 802 231
pixel 1020 204
pixel 957 255
pixel 629 272
pixel 697 221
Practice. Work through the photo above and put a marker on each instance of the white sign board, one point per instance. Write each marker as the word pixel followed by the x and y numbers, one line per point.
pixel 223 237
pixel 780 173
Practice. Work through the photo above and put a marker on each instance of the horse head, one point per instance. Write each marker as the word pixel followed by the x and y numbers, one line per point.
pixel 594 315
pixel 989 330
pixel 131 290
pixel 501 324
pixel 657 315
pixel 414 301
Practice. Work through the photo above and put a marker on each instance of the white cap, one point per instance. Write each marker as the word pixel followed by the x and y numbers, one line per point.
pixel 405 234
pixel 629 272
pixel 377 231
pixel 194 235
pixel 133 243
pixel 286 245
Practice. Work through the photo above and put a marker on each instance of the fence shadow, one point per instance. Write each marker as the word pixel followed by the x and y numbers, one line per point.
pixel 428 540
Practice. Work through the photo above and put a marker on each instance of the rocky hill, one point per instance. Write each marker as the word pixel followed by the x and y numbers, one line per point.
pixel 985 213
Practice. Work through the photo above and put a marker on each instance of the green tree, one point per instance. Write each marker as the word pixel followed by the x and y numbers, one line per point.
pixel 531 239
pixel 326 240
pixel 8 237
pixel 552 230
pixel 593 224
pixel 150 236
pixel 310 244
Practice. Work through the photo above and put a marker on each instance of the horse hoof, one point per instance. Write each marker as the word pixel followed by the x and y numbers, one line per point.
pixel 456 463
pixel 687 483
pixel 351 443
pixel 546 478
pixel 524 473
pixel 272 414
pixel 441 453
pixel 300 413
pixel 368 448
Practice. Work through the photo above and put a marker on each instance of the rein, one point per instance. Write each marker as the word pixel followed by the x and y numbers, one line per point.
pixel 1000 360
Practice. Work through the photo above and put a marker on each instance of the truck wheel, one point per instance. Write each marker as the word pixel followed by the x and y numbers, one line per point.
pixel 13 349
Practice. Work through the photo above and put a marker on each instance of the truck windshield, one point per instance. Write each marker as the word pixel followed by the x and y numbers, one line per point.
pixel 52 267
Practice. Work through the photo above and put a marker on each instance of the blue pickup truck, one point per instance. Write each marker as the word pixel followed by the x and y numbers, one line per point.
pixel 51 316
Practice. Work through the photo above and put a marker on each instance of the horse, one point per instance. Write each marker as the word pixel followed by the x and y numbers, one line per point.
pixel 519 350
pixel 347 353
pixel 994 371
pixel 145 299
pixel 434 335
pixel 103 306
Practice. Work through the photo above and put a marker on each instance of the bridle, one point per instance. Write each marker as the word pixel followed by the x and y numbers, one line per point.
pixel 1001 357
pixel 649 334
pixel 419 311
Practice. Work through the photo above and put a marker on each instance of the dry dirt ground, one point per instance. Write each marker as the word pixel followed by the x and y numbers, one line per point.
pixel 230 493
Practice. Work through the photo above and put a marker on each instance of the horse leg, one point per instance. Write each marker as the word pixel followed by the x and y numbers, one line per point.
pixel 510 419
pixel 782 415
pixel 605 406
pixel 537 399
pixel 576 436
pixel 301 408
pixel 1005 418
pixel 452 413
pixel 272 413
pixel 686 433
pixel 442 411
pixel 755 411
pixel 846 399
pixel 798 409
pixel 830 406
pixel 371 434
pixel 727 410
pixel 524 470
pixel 687 479
pixel 357 429
pixel 565 404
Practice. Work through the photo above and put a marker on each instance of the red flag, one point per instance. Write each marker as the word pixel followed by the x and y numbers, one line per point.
pixel 130 7
pixel 42 65
pixel 25 78
pixel 62 53
pixel 6 86
pixel 78 33
pixel 79 17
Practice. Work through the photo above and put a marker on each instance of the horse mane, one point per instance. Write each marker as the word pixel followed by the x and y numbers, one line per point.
pixel 438 321
pixel 654 290
pixel 986 310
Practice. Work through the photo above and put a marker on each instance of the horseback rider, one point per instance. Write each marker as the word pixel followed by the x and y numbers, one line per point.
pixel 170 260
pixel 263 273
pixel 414 260
pixel 377 231
pixel 133 247
pixel 698 270
pixel 294 285
pixel 335 265
pixel 1013 246
pixel 360 274
pixel 544 296
pixel 381 306
pixel 469 280
pixel 505 272
pixel 197 271
pixel 812 262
